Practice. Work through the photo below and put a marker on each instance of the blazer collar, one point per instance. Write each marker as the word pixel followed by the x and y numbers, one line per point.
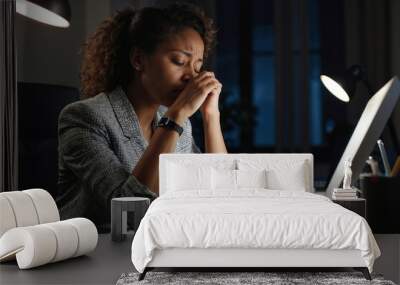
pixel 126 115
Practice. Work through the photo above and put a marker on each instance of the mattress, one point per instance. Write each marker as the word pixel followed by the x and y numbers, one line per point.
pixel 251 219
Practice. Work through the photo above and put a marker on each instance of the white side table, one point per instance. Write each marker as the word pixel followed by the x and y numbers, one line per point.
pixel 119 215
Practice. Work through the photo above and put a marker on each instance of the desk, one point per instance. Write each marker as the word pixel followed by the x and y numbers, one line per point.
pixel 110 259
pixel 102 266
pixel 389 262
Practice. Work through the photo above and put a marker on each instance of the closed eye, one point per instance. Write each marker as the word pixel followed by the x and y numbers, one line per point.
pixel 179 63
pixel 182 63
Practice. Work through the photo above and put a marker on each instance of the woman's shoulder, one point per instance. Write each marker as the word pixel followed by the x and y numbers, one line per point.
pixel 97 103
pixel 91 110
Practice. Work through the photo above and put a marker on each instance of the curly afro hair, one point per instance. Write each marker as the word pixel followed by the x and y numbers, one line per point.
pixel 106 62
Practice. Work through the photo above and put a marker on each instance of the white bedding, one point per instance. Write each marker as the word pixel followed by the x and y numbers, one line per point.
pixel 251 218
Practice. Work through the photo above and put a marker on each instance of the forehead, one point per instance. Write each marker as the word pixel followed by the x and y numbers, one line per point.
pixel 186 40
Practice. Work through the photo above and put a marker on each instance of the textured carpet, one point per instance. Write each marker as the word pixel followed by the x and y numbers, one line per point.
pixel 242 278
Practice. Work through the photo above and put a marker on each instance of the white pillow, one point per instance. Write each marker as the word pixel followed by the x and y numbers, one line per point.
pixel 224 179
pixel 227 179
pixel 182 177
pixel 251 178
pixel 281 174
pixel 293 180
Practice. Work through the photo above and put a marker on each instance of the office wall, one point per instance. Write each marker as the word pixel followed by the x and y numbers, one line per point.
pixel 395 55
pixel 47 54
pixel 373 40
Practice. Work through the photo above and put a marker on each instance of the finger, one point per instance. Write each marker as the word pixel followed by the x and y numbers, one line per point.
pixel 204 75
pixel 206 88
pixel 217 90
pixel 219 85
pixel 207 81
pixel 211 86
pixel 198 80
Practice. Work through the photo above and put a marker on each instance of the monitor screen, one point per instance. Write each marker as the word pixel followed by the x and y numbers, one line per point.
pixel 368 130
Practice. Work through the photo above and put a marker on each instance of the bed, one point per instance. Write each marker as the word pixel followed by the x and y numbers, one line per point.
pixel 246 211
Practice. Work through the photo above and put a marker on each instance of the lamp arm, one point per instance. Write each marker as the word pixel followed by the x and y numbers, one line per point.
pixel 368 85
pixel 392 129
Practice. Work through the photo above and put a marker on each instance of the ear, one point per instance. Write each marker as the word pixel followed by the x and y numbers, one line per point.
pixel 136 58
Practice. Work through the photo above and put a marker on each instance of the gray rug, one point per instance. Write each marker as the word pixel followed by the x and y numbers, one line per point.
pixel 243 278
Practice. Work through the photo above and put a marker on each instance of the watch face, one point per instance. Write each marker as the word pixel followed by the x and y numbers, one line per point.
pixel 161 123
pixel 169 124
pixel 166 121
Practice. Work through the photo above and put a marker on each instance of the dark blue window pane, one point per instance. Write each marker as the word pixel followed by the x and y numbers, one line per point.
pixel 231 129
pixel 263 96
pixel 227 63
pixel 264 100
pixel 295 102
pixel 262 22
pixel 262 39
pixel 315 101
pixel 314 24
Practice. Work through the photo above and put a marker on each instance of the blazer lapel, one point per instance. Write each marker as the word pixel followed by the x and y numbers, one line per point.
pixel 127 117
pixel 125 114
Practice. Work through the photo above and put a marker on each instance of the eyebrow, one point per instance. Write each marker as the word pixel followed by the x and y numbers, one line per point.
pixel 187 53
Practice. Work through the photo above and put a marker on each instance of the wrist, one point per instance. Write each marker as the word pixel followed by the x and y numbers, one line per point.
pixel 209 117
pixel 169 124
pixel 176 116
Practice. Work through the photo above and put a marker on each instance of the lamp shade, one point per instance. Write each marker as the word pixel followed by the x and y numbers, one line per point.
pixel 335 87
pixel 52 12
pixel 343 86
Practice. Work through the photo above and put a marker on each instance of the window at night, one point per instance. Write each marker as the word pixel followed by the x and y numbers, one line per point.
pixel 263 79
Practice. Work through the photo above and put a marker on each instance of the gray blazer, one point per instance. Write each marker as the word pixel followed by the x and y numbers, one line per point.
pixel 100 143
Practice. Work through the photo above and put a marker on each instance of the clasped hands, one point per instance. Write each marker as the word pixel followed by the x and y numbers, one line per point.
pixel 201 92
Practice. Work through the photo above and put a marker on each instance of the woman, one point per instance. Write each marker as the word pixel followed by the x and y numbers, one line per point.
pixel 134 64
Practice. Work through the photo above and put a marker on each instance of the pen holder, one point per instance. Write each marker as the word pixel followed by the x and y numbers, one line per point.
pixel 383 203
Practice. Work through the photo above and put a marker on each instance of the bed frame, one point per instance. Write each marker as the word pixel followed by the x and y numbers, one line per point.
pixel 244 259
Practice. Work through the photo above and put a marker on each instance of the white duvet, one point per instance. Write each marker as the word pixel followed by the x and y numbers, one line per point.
pixel 252 218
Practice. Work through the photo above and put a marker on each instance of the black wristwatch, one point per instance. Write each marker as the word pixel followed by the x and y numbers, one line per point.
pixel 169 124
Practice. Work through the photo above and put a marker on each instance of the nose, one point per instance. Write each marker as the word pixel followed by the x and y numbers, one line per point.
pixel 188 74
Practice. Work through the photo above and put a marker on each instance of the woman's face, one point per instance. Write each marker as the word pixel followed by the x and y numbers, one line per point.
pixel 166 72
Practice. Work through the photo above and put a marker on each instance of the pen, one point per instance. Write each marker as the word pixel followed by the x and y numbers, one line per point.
pixel 384 157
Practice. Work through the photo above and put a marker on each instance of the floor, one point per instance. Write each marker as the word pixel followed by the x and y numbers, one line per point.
pixel 110 260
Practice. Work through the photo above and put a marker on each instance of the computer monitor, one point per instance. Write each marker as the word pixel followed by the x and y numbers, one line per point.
pixel 368 130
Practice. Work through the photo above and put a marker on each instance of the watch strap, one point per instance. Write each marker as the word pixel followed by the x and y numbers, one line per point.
pixel 167 123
